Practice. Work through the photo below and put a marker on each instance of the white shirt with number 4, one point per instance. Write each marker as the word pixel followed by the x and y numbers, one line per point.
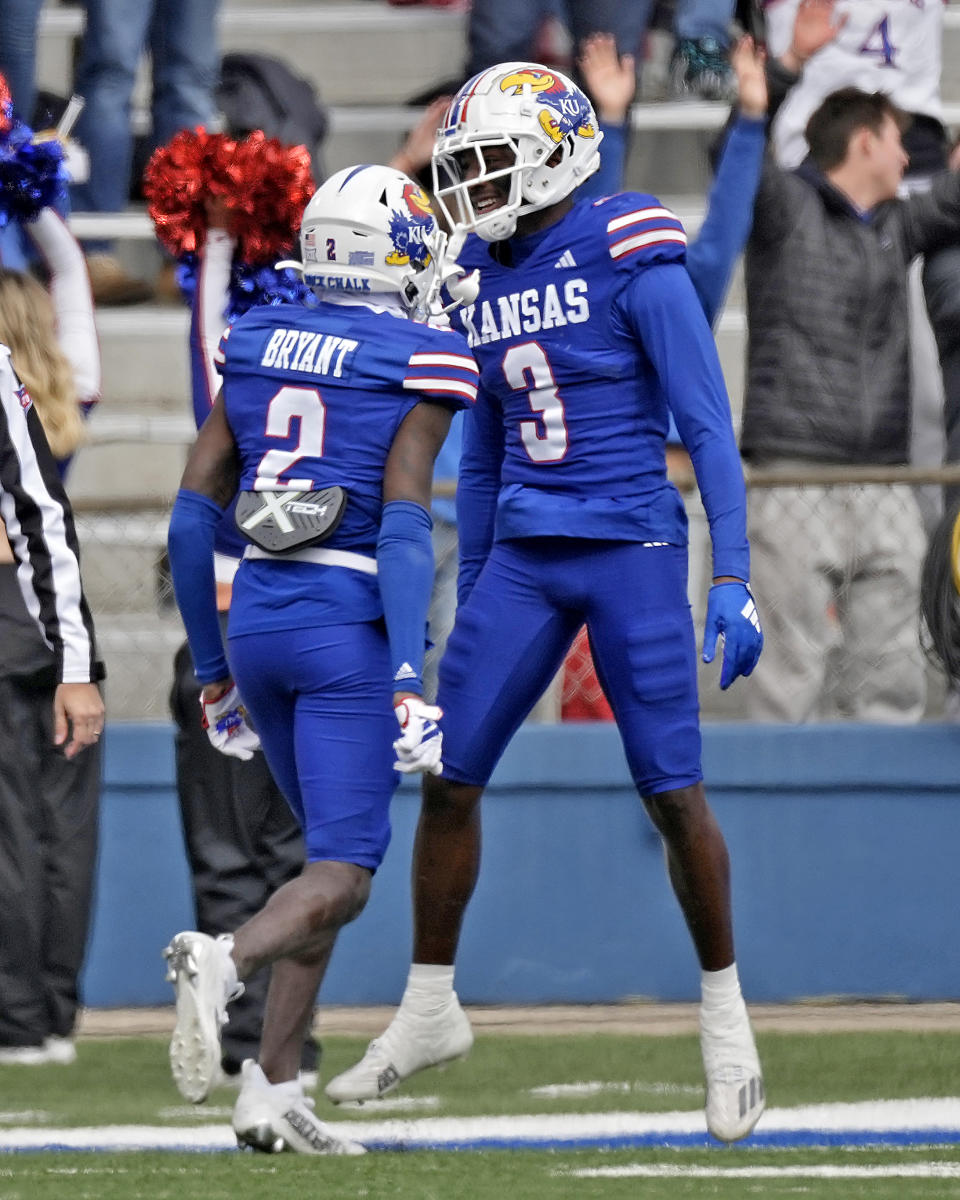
pixel 889 46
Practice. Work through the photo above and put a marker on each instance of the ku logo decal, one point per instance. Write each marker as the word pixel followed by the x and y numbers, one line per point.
pixel 564 110
pixel 409 230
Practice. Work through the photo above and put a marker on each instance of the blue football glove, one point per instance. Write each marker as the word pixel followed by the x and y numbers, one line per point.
pixel 732 615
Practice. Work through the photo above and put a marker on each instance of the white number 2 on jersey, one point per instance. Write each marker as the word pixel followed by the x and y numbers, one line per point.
pixel 527 369
pixel 288 403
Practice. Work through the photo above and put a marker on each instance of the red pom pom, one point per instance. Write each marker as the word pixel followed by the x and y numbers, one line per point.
pixel 6 108
pixel 264 184
pixel 274 187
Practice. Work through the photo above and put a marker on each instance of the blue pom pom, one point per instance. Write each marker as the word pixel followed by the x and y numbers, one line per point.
pixel 249 286
pixel 32 175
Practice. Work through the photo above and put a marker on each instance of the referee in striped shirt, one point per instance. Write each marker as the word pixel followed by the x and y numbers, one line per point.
pixel 39 525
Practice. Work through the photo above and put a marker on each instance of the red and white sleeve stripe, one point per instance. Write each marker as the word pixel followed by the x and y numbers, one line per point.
pixel 453 376
pixel 642 229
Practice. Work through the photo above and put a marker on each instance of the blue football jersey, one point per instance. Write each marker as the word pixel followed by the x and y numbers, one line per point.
pixel 314 398
pixel 578 382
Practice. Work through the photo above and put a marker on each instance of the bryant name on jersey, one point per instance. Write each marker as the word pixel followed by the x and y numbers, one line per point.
pixel 304 350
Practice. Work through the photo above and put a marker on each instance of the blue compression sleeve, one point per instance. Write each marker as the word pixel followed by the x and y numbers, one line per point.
pixel 665 314
pixel 405 574
pixel 193 523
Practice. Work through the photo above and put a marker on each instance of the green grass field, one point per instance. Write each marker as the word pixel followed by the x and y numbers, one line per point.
pixel 125 1082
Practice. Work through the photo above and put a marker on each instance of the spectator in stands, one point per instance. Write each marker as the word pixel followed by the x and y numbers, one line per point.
pixel 897 51
pixel 502 30
pixel 49 779
pixel 700 66
pixel 181 38
pixel 828 383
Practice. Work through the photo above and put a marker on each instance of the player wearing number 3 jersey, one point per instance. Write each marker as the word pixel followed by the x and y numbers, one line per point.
pixel 326 429
pixel 588 334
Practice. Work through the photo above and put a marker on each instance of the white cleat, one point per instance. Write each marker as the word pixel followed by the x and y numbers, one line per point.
pixel 273 1118
pixel 409 1044
pixel 735 1096
pixel 199 969
pixel 25 1056
pixel 60 1050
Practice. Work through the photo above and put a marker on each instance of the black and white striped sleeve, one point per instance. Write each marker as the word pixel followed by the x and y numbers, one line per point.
pixel 40 527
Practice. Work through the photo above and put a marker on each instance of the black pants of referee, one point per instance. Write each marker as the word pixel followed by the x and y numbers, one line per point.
pixel 49 814
pixel 243 842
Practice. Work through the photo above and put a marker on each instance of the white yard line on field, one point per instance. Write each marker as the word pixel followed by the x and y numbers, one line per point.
pixel 671 1171
pixel 891 1122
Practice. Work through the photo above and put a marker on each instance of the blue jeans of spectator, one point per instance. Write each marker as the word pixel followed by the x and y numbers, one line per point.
pixel 698 19
pixel 18 52
pixel 182 39
pixel 504 30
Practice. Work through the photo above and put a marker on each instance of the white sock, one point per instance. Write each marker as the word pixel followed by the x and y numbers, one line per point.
pixel 720 989
pixel 429 988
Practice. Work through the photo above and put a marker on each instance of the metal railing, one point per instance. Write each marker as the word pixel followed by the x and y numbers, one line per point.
pixel 127 580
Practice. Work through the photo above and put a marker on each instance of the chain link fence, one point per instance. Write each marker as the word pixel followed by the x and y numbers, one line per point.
pixel 836 556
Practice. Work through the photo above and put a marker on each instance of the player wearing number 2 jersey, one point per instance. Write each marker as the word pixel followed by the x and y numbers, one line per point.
pixel 326 430
pixel 588 334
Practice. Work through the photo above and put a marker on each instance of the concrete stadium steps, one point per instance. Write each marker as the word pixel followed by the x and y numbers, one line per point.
pixel 366 52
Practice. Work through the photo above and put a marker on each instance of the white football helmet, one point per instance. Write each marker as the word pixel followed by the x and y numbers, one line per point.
pixel 367 231
pixel 543 120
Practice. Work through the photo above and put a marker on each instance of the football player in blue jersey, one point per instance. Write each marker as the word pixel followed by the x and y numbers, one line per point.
pixel 326 429
pixel 588 335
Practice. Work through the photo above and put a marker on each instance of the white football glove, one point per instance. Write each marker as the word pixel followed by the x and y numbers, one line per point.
pixel 228 729
pixel 420 744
